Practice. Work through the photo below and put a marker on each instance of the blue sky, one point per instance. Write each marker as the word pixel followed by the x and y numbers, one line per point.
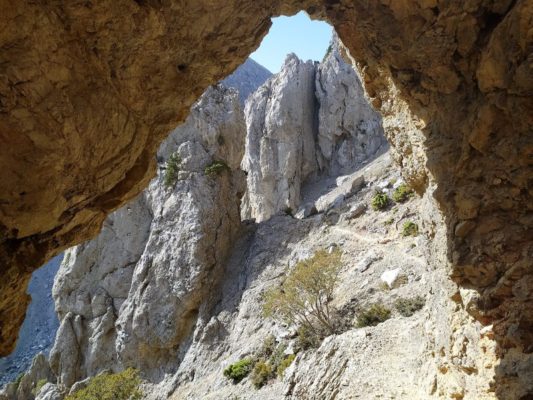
pixel 297 34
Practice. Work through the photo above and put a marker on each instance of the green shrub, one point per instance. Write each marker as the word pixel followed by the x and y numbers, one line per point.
pixel 272 362
pixel 121 386
pixel 408 306
pixel 39 386
pixel 261 373
pixel 285 364
pixel 380 201
pixel 307 338
pixel 375 314
pixel 216 168
pixel 402 193
pixel 239 370
pixel 172 169
pixel 389 221
pixel 410 229
pixel 303 298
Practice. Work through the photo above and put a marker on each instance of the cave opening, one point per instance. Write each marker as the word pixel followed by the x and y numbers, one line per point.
pixel 438 83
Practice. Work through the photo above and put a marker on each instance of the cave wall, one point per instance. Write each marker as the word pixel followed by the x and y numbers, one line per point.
pixel 89 89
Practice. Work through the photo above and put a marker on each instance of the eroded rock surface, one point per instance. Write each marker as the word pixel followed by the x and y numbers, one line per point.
pixel 309 120
pixel 130 296
pixel 88 90
pixel 280 145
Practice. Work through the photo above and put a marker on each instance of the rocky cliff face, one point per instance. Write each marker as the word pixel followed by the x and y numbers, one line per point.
pixel 309 120
pixel 174 285
pixel 280 145
pixel 129 297
pixel 449 78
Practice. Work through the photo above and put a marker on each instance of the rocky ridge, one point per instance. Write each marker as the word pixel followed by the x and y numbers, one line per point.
pixel 308 121
pixel 40 325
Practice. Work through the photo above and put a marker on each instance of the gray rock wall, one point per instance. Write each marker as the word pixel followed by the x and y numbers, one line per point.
pixel 128 297
pixel 307 121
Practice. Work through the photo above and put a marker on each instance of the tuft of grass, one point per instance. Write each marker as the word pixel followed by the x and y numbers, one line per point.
pixel 120 386
pixel 408 306
pixel 261 373
pixel 373 315
pixel 389 221
pixel 402 193
pixel 39 386
pixel 216 168
pixel 410 229
pixel 285 363
pixel 239 370
pixel 172 169
pixel 380 201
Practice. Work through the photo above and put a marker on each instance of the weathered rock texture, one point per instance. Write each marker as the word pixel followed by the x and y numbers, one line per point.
pixel 130 296
pixel 280 143
pixel 349 130
pixel 309 120
pixel 88 90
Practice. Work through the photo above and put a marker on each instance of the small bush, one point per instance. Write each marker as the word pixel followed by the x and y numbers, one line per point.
pixel 402 193
pixel 307 338
pixel 172 170
pixel 239 370
pixel 380 201
pixel 261 373
pixel 304 297
pixel 410 229
pixel 39 386
pixel 285 363
pixel 389 221
pixel 375 314
pixel 120 386
pixel 216 168
pixel 407 307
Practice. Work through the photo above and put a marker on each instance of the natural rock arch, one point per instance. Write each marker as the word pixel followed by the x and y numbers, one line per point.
pixel 89 89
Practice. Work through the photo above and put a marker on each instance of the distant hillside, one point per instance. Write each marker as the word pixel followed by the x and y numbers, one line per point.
pixel 247 78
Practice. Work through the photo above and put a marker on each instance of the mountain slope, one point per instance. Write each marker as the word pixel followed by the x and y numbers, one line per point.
pixel 247 78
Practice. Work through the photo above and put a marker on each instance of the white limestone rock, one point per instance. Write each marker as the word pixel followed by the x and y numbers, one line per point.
pixel 391 276
pixel 309 120
pixel 50 391
pixel 349 130
pixel 129 297
pixel 280 141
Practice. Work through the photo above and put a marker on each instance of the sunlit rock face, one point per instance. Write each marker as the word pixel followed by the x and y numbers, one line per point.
pixel 309 120
pixel 280 142
pixel 89 90
pixel 129 296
